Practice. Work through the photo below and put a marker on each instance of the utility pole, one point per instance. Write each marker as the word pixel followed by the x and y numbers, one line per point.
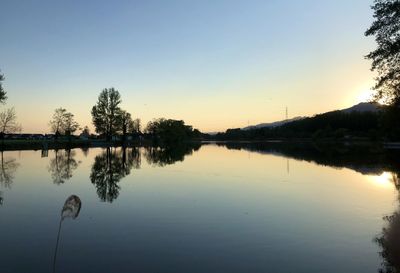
pixel 286 113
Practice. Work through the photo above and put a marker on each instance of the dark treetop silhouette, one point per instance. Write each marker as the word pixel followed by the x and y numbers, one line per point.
pixel 8 122
pixel 63 122
pixel 8 117
pixel 386 57
pixel 171 132
pixel 382 124
pixel 3 94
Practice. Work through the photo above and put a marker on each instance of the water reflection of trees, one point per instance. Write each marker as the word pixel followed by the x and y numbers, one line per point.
pixel 363 158
pixel 8 169
pixel 85 151
pixel 110 167
pixel 161 156
pixel 62 166
pixel 389 239
pixel 113 164
pixel 366 159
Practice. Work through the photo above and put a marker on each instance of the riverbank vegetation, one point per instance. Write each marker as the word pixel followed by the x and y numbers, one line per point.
pixel 113 126
pixel 382 125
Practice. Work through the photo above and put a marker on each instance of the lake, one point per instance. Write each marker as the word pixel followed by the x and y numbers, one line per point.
pixel 209 208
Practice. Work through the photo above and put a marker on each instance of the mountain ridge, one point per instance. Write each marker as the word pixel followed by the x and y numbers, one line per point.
pixel 360 107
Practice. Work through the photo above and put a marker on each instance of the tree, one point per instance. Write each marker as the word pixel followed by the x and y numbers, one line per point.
pixel 8 122
pixel 70 125
pixel 169 131
pixel 63 122
pixel 126 124
pixel 386 57
pixel 57 123
pixel 3 94
pixel 85 131
pixel 136 126
pixel 106 114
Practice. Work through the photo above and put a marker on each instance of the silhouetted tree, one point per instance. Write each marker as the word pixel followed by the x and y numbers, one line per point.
pixel 62 166
pixel 126 123
pixel 70 125
pixel 8 122
pixel 335 124
pixel 106 114
pixel 3 93
pixel 57 122
pixel 63 122
pixel 85 131
pixel 169 131
pixel 386 58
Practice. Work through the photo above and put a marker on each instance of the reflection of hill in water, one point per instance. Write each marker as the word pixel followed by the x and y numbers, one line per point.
pixel 365 159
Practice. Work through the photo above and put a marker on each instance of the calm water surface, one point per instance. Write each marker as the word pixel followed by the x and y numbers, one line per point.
pixel 208 209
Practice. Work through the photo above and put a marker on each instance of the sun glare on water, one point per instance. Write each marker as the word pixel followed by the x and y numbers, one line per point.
pixel 384 180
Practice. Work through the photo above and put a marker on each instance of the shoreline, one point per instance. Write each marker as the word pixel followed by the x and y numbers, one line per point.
pixel 17 145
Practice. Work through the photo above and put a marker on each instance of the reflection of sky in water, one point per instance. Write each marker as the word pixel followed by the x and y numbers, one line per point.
pixel 384 180
pixel 219 210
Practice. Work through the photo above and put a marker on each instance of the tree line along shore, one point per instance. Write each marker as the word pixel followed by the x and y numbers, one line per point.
pixel 115 126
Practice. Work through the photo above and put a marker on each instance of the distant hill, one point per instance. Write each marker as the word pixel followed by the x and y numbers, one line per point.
pixel 364 107
pixel 361 107
pixel 364 121
pixel 272 124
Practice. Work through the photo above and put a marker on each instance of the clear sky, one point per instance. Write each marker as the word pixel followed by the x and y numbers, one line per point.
pixel 216 64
